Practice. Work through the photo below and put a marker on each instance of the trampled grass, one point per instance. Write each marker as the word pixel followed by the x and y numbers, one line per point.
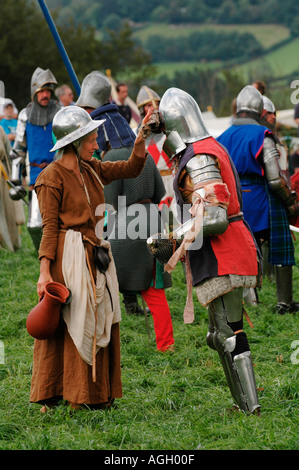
pixel 172 401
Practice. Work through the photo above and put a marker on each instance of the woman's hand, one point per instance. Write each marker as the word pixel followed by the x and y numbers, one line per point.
pixel 151 124
pixel 44 277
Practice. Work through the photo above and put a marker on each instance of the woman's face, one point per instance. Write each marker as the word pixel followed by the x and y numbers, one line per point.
pixel 88 147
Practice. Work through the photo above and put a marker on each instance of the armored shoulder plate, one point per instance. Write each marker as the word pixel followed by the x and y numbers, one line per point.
pixel 275 180
pixel 21 126
pixel 203 168
pixel 270 161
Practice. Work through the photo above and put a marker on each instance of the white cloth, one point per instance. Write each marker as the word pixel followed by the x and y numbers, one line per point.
pixel 79 315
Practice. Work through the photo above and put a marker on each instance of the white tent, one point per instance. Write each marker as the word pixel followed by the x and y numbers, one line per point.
pixel 216 125
pixel 286 118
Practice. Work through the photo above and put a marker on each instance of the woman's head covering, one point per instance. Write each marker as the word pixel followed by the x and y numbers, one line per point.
pixel 71 124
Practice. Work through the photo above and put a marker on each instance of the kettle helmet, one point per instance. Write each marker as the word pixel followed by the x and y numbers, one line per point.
pixel 70 124
pixel 249 100
pixel 95 90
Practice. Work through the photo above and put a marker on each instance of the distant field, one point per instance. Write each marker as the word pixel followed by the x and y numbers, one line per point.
pixel 268 34
pixel 280 62
pixel 170 68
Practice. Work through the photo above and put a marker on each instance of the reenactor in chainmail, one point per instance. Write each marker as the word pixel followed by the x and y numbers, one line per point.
pixel 34 137
pixel 137 270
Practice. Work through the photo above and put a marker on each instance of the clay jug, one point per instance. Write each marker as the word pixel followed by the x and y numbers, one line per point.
pixel 43 320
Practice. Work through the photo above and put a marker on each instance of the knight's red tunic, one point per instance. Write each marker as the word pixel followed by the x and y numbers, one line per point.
pixel 234 251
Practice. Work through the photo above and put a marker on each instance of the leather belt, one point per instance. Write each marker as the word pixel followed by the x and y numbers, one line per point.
pixel 165 172
pixel 40 165
pixel 235 218
pixel 142 201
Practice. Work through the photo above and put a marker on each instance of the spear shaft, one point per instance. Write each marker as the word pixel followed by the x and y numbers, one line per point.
pixel 60 46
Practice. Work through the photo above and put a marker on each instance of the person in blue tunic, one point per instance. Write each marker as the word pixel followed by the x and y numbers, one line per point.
pixel 268 202
pixel 34 137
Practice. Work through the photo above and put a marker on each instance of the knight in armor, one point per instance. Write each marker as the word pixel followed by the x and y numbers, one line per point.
pixel 149 99
pixel 268 201
pixel 225 261
pixel 137 270
pixel 34 138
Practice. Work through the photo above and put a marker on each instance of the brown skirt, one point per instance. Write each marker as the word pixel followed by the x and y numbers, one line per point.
pixel 59 372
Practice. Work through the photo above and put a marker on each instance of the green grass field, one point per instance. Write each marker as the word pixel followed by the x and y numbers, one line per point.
pixel 279 63
pixel 172 401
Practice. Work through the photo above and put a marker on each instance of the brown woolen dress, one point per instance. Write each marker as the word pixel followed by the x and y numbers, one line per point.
pixel 59 372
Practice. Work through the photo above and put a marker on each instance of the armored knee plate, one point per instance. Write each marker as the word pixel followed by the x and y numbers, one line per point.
pixel 235 355
pixel 34 224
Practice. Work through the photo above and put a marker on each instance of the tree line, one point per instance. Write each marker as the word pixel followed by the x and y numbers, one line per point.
pixel 29 44
pixel 204 46
pixel 100 13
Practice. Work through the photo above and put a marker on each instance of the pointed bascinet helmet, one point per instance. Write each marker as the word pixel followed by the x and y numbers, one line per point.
pixel 70 124
pixel 183 122
pixel 249 100
pixel 95 90
pixel 42 79
pixel 146 95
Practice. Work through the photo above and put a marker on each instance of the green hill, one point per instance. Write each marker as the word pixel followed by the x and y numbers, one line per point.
pixel 262 32
pixel 281 62
pixel 278 64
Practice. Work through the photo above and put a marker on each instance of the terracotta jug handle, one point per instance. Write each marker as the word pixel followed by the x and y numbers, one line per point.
pixel 69 299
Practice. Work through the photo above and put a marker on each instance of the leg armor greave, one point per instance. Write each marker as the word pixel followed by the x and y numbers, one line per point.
pixel 34 224
pixel 284 290
pixel 227 337
pixel 268 269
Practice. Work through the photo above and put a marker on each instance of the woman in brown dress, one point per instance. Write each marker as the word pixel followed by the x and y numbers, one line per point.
pixel 69 191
